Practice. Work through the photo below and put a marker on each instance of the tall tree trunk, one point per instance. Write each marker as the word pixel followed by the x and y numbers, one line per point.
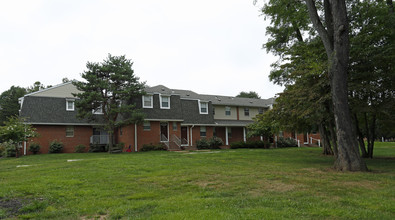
pixel 390 6
pixel 360 137
pixel 16 151
pixel 333 138
pixel 372 136
pixel 110 141
pixel 348 158
pixel 326 145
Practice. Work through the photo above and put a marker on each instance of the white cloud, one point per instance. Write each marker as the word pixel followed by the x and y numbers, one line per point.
pixel 210 46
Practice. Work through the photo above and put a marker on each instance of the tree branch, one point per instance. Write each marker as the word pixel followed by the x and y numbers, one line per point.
pixel 319 27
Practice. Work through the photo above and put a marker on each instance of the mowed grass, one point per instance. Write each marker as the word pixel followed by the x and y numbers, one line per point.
pixel 293 183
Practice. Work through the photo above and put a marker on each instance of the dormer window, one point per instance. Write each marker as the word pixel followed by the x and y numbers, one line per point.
pixel 69 104
pixel 203 107
pixel 147 101
pixel 98 111
pixel 165 102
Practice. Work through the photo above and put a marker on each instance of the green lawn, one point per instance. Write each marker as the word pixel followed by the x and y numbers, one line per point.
pixel 293 183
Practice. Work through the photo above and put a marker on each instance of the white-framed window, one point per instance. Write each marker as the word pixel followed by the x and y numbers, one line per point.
pixel 260 110
pixel 147 101
pixel 69 105
pixel 246 112
pixel 203 107
pixel 69 131
pixel 165 102
pixel 174 126
pixel 147 126
pixel 227 110
pixel 98 111
pixel 203 131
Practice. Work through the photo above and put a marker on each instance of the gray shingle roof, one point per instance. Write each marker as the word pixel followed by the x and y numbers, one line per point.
pixel 215 99
pixel 191 114
pixel 49 110
pixel 174 113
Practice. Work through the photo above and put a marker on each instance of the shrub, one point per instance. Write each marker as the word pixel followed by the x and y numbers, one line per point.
pixel 215 143
pixel 34 148
pixel 79 148
pixel 286 142
pixel 2 150
pixel 56 147
pixel 118 148
pixel 250 144
pixel 202 144
pixel 98 148
pixel 7 149
pixel 236 145
pixel 152 147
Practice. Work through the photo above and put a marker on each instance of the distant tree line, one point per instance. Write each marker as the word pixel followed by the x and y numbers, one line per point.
pixel 9 105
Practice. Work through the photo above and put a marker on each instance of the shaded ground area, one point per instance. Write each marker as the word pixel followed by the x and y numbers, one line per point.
pixel 9 207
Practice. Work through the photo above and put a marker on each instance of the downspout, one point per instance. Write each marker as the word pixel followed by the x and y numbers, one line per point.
pixel 24 143
pixel 135 137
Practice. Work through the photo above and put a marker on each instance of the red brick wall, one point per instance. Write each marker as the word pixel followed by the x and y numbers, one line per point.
pixel 176 132
pixel 196 134
pixel 220 132
pixel 237 135
pixel 145 137
pixel 148 137
pixel 48 133
pixel 127 136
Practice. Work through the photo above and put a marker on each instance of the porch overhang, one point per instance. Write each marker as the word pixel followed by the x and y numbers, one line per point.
pixel 232 123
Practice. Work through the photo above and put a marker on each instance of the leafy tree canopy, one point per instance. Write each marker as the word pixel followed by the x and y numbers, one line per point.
pixel 16 131
pixel 36 87
pixel 250 94
pixel 9 105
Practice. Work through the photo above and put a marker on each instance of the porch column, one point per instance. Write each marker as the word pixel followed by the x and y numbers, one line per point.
pixel 226 136
pixel 244 134
pixel 191 135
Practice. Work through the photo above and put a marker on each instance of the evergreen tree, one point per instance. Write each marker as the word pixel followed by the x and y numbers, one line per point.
pixel 109 89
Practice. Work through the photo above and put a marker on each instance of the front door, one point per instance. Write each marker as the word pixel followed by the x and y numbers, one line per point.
pixel 164 134
pixel 184 135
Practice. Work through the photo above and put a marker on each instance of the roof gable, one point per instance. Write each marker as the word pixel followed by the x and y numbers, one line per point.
pixel 64 90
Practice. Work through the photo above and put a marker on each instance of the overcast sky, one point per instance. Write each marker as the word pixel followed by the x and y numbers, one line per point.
pixel 208 46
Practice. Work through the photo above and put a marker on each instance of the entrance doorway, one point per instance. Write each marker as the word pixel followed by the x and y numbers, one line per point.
pixel 184 135
pixel 164 131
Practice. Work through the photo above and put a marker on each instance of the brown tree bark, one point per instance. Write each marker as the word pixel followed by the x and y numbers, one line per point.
pixel 360 137
pixel 348 158
pixel 326 145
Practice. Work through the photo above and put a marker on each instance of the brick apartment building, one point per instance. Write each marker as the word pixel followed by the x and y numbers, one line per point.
pixel 177 118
